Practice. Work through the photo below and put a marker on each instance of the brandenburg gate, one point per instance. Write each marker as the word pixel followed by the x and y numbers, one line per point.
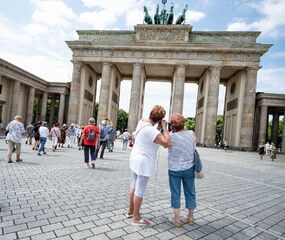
pixel 175 54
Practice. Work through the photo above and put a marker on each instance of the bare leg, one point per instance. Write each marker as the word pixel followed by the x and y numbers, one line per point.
pixel 137 206
pixel 131 200
pixel 190 217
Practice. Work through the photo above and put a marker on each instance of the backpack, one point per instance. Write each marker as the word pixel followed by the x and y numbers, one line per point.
pixel 103 132
pixel 91 135
pixel 125 136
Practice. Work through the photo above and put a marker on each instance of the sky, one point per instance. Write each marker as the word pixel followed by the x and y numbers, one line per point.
pixel 33 35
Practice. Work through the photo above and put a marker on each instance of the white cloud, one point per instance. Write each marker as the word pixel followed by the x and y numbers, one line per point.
pixel 271 80
pixel 133 17
pixel 272 22
pixel 98 19
pixel 194 16
pixel 53 13
pixel 105 13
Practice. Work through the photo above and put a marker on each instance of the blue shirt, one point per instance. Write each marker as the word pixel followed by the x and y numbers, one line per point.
pixel 181 153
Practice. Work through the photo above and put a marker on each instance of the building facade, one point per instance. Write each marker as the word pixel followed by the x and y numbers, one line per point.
pixel 22 93
pixel 176 54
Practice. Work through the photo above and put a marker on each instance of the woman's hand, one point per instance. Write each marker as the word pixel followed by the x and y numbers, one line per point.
pixel 164 124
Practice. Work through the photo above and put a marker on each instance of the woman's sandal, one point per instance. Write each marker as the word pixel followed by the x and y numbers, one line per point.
pixel 128 215
pixel 175 223
pixel 190 220
pixel 19 160
pixel 9 161
pixel 141 222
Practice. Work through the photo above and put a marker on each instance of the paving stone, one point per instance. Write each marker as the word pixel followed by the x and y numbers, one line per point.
pixel 65 231
pixel 81 235
pixel 10 236
pixel 115 233
pixel 29 232
pixel 53 197
pixel 43 236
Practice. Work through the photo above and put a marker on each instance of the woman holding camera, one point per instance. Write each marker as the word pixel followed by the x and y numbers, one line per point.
pixel 142 159
pixel 181 168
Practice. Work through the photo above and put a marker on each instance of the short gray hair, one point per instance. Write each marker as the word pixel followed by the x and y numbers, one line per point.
pixel 91 120
pixel 44 123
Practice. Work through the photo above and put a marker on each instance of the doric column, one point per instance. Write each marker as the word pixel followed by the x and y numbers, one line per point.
pixel 212 106
pixel 30 106
pixel 52 111
pixel 178 90
pixel 263 124
pixel 275 124
pixel 61 108
pixel 283 136
pixel 246 135
pixel 73 108
pixel 135 96
pixel 44 106
pixel 104 92
pixel 15 99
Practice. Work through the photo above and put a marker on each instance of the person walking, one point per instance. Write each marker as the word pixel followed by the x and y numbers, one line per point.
pixel 181 169
pixel 14 138
pixel 103 139
pixel 63 135
pixel 90 137
pixel 37 136
pixel 55 136
pixel 273 152
pixel 111 138
pixel 71 133
pixel 261 150
pixel 125 138
pixel 44 133
pixel 267 148
pixel 142 159
pixel 30 133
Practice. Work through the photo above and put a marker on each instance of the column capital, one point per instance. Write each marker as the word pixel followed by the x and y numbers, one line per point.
pixel 180 66
pixel 215 67
pixel 107 64
pixel 74 62
pixel 249 68
pixel 137 64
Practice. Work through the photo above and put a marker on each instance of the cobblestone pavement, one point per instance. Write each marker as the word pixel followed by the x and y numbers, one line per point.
pixel 54 197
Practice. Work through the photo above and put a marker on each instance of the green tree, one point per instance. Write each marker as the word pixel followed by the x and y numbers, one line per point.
pixel 122 121
pixel 96 111
pixel 190 123
pixel 219 128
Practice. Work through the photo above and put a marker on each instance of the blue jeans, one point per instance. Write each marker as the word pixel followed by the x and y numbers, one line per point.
pixel 125 144
pixel 188 180
pixel 42 144
pixel 92 150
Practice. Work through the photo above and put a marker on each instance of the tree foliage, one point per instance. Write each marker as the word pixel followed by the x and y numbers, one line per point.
pixel 122 122
pixel 190 123
pixel 219 128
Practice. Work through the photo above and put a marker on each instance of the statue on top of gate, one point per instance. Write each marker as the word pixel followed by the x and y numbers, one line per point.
pixel 164 18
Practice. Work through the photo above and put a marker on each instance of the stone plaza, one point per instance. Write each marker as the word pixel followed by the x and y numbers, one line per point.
pixel 53 197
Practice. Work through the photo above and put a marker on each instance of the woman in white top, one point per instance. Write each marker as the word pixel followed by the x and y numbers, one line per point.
pixel 14 137
pixel 44 133
pixel 142 159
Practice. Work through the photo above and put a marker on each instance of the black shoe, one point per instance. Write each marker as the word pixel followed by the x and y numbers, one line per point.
pixel 26 142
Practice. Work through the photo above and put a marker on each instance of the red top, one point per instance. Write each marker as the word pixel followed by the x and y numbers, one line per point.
pixel 86 130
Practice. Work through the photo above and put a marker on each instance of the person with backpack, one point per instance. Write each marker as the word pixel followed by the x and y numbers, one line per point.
pixel 103 138
pixel 125 138
pixel 90 136
pixel 71 133
pixel 111 138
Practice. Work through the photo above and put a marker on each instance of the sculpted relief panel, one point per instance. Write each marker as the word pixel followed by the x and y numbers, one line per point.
pixel 175 35
pixel 166 55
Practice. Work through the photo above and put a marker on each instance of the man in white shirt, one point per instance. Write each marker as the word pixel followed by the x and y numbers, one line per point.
pixel 44 133
pixel 267 148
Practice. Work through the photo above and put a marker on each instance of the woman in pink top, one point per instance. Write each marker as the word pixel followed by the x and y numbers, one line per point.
pixel 55 135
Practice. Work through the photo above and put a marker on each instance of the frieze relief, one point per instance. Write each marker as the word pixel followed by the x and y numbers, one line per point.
pixel 177 55
pixel 162 36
